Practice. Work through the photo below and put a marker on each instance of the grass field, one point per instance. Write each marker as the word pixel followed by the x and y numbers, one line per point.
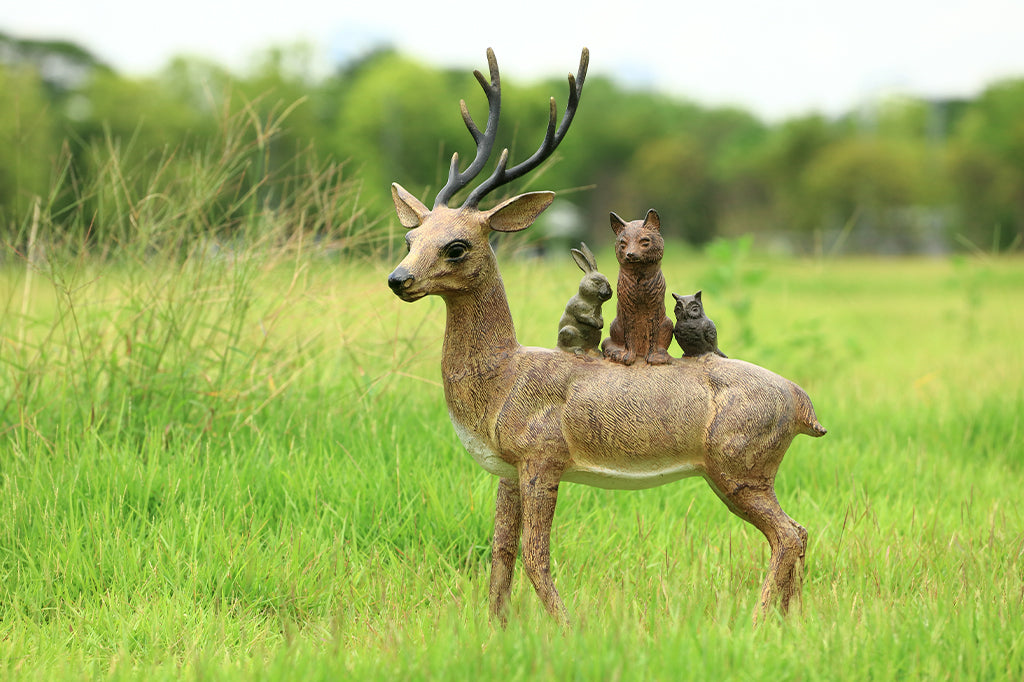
pixel 239 466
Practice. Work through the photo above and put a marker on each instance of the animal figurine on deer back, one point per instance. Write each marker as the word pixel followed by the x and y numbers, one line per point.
pixel 640 330
pixel 695 333
pixel 538 417
pixel 579 330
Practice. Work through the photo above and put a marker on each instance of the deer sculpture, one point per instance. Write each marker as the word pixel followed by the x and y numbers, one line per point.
pixel 536 417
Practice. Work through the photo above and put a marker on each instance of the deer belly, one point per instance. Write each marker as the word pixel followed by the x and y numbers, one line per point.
pixel 626 472
pixel 630 478
pixel 631 457
pixel 635 430
pixel 482 452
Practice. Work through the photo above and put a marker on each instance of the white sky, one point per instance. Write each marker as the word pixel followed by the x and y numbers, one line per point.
pixel 776 58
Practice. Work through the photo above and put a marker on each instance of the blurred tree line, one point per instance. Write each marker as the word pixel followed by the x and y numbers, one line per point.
pixel 903 175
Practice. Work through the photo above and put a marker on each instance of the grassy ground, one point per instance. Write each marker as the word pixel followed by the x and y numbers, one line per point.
pixel 240 466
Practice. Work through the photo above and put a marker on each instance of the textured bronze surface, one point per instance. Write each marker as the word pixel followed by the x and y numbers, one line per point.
pixel 535 417
pixel 640 330
pixel 694 331
pixel 579 330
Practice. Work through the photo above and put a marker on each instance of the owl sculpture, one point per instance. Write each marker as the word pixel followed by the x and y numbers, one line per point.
pixel 694 331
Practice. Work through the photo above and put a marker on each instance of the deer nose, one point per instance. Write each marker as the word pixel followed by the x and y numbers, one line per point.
pixel 400 279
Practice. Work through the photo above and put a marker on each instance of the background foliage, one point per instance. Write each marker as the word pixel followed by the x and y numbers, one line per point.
pixel 899 175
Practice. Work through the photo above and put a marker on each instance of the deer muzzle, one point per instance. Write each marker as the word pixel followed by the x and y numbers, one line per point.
pixel 400 281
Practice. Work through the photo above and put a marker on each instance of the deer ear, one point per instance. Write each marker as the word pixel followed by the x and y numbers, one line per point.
pixel 518 213
pixel 411 210
pixel 652 221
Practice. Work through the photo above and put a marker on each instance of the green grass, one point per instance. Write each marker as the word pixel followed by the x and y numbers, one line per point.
pixel 315 516
pixel 234 462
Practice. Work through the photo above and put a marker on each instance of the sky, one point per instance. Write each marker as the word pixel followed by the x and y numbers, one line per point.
pixel 777 59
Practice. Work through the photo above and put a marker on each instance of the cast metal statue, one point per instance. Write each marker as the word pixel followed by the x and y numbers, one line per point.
pixel 694 331
pixel 536 417
pixel 640 330
pixel 579 330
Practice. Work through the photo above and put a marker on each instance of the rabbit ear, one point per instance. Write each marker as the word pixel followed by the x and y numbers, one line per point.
pixel 581 260
pixel 590 256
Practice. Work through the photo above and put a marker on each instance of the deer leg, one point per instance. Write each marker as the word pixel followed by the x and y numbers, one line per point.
pixel 538 484
pixel 508 524
pixel 756 503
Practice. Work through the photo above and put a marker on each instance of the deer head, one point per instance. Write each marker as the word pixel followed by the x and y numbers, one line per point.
pixel 449 251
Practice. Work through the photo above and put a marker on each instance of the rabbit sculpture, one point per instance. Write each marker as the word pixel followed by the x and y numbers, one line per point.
pixel 579 330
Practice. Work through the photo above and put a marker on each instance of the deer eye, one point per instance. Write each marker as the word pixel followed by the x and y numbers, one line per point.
pixel 455 251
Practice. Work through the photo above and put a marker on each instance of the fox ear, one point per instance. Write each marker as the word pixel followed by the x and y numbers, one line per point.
pixel 653 221
pixel 618 224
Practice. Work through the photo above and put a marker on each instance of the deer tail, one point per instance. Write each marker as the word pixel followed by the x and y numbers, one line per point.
pixel 806 421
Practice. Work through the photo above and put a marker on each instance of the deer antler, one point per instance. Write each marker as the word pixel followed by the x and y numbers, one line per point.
pixel 485 140
pixel 552 138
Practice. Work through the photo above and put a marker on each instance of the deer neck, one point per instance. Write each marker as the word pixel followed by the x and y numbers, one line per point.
pixel 479 333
